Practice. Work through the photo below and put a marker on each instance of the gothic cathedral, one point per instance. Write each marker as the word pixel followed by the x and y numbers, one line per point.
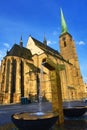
pixel 29 71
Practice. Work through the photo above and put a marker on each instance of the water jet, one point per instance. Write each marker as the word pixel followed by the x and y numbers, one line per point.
pixel 35 120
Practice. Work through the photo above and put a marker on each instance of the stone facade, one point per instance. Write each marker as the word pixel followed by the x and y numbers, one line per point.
pixel 21 77
pixel 75 81
pixel 40 71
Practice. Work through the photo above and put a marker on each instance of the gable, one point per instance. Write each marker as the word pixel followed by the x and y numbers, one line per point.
pixel 33 47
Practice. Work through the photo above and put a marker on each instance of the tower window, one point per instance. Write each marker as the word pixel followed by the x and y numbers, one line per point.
pixel 64 40
pixel 64 43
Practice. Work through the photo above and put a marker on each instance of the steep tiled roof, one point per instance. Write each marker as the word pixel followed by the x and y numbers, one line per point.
pixel 19 51
pixel 47 49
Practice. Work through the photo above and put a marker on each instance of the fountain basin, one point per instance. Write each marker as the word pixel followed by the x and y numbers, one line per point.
pixel 75 111
pixel 34 121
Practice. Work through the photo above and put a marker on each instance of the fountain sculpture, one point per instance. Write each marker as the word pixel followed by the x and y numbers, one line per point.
pixel 75 111
pixel 71 110
pixel 36 120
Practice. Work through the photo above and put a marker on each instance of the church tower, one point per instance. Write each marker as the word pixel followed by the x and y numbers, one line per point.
pixel 67 45
pixel 68 51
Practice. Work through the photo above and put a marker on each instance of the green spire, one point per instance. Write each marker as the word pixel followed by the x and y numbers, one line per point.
pixel 63 23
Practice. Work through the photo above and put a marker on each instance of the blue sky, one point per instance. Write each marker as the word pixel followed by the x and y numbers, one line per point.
pixel 39 17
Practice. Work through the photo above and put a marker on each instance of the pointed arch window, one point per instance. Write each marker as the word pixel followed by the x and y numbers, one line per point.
pixel 14 65
pixel 7 76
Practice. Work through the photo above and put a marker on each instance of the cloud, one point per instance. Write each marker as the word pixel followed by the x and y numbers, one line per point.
pixel 51 42
pixel 6 45
pixel 2 53
pixel 48 42
pixel 81 43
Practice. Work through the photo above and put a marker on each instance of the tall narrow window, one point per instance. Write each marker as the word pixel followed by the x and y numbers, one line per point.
pixel 22 78
pixel 64 41
pixel 14 76
pixel 7 76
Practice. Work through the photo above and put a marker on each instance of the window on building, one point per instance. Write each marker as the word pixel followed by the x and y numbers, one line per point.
pixel 64 40
pixel 64 43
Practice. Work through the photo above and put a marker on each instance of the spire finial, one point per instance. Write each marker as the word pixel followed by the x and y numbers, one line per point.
pixel 63 23
pixel 45 41
pixel 21 42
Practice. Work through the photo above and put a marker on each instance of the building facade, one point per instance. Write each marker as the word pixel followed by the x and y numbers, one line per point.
pixel 28 71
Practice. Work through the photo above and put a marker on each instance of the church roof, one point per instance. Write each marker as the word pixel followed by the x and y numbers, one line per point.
pixel 20 51
pixel 47 49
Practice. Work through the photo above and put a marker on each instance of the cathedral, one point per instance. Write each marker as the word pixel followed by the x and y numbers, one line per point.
pixel 29 71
